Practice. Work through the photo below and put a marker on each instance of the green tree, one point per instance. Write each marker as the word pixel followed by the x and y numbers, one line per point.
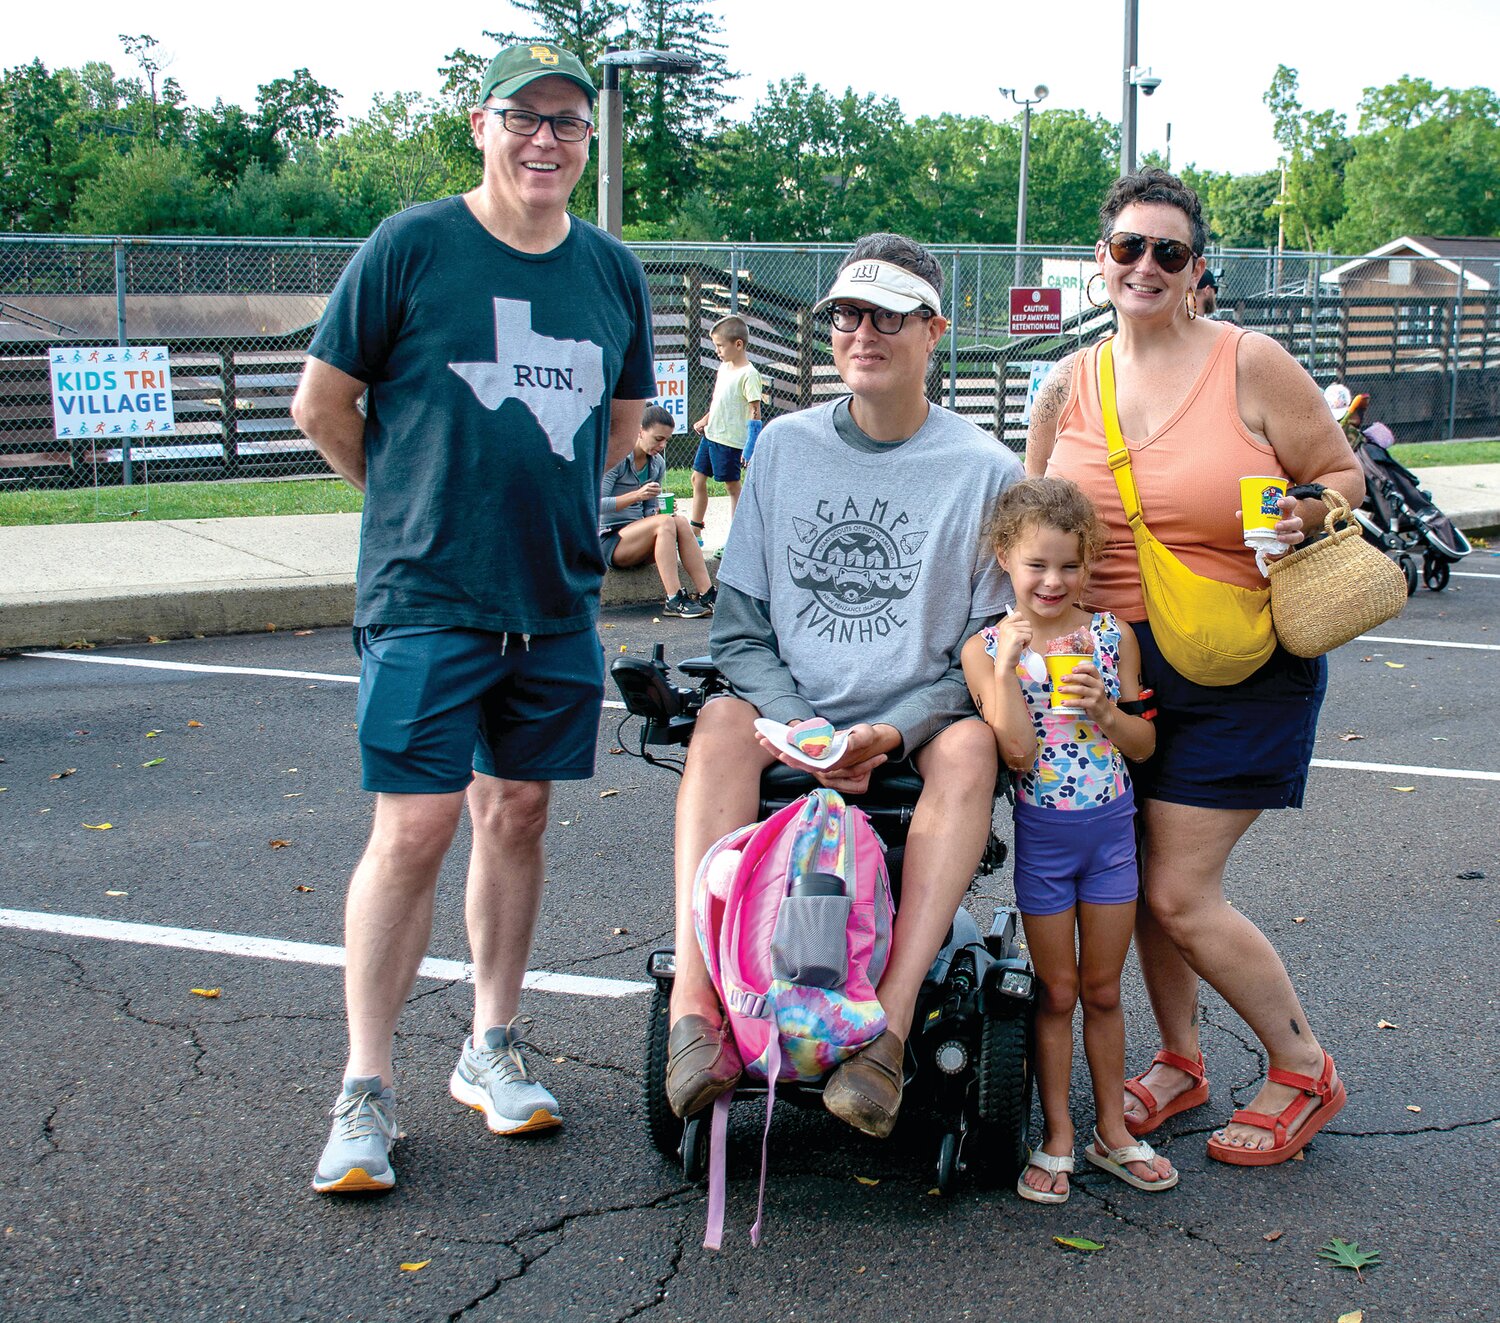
pixel 226 141
pixel 1424 163
pixel 156 188
pixel 298 199
pixel 298 107
pixel 43 160
pixel 1074 159
pixel 395 156
pixel 1240 209
pixel 1317 152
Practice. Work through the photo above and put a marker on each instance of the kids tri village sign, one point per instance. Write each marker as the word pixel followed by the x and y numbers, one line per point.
pixel 120 392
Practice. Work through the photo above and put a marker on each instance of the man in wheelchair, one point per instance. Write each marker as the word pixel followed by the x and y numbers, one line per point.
pixel 853 575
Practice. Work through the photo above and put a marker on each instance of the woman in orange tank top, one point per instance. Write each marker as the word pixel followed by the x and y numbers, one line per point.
pixel 1200 405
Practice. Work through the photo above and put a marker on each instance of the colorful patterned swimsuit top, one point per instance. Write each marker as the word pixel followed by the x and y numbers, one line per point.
pixel 1077 767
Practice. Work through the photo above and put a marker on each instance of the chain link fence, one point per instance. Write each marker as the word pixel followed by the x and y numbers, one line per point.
pixel 1420 336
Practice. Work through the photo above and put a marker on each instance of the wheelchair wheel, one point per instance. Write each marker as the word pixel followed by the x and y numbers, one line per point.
pixel 947 1164
pixel 662 1126
pixel 1408 565
pixel 1435 571
pixel 695 1146
pixel 1005 1094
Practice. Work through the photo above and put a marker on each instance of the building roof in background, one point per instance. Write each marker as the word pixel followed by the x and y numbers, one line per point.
pixel 1477 258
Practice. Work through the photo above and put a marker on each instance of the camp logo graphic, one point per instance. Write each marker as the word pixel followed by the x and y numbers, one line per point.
pixel 857 564
pixel 561 382
pixel 544 54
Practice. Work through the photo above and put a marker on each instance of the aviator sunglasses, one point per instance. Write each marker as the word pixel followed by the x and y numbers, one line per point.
pixel 1171 254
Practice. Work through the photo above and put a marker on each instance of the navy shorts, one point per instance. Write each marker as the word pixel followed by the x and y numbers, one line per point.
pixel 609 539
pixel 718 460
pixel 1237 746
pixel 436 703
pixel 1064 856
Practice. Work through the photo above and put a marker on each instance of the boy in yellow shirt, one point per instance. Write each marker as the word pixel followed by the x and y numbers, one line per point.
pixel 732 422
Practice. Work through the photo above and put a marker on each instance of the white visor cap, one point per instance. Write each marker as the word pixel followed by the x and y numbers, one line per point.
pixel 883 284
pixel 1339 399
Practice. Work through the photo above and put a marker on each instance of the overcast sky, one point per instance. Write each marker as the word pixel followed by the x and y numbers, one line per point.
pixel 932 55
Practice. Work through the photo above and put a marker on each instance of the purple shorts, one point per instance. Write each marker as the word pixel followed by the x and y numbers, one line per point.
pixel 1064 856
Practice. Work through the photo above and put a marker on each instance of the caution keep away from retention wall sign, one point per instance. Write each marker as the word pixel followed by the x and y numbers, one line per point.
pixel 112 391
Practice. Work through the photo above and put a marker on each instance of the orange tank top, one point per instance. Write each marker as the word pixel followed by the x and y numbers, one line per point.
pixel 1187 472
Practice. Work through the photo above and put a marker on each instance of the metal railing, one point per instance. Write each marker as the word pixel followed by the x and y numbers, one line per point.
pixel 1421 337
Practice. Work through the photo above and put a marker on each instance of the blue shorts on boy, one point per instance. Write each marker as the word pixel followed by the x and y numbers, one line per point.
pixel 437 703
pixel 717 461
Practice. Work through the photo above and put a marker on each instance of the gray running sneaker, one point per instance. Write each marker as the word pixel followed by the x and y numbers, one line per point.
pixel 493 1079
pixel 357 1157
pixel 686 605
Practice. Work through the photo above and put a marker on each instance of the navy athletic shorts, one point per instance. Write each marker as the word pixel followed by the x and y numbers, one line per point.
pixel 718 460
pixel 437 701
pixel 1064 856
pixel 1237 746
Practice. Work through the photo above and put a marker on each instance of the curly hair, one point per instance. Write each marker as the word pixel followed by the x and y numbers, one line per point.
pixel 1046 503
pixel 1153 185
pixel 900 251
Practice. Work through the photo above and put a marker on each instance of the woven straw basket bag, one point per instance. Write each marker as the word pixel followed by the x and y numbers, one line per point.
pixel 1331 591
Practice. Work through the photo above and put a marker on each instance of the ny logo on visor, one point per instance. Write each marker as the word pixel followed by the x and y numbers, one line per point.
pixel 866 271
pixel 545 54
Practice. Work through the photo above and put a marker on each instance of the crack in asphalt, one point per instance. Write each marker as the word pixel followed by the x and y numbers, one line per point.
pixel 616 951
pixel 664 1282
pixel 557 1232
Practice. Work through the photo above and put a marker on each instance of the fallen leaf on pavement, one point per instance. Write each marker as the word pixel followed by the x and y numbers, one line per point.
pixel 617 750
pixel 1078 1243
pixel 868 1180
pixel 280 845
pixel 195 723
pixel 1299 1156
pixel 1396 666
pixel 1353 1316
pixel 1301 918
pixel 1347 1254
pixel 126 893
pixel 58 776
pixel 934 1190
pixel 605 794
pixel 97 826
pixel 620 932
pixel 1386 1024
pixel 414 1267
pixel 82 645
pixel 300 887
pixel 301 633
pixel 1403 790
pixel 152 638
pixel 204 992
pixel 1412 1107
pixel 152 734
pixel 624 647
pixel 153 762
pixel 270 628
pixel 1272 1235
pixel 1351 735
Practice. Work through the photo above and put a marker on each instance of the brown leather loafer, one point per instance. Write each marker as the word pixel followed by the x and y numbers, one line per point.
pixel 702 1063
pixel 866 1090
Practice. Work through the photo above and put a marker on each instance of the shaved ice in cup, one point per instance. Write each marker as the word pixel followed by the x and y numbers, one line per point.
pixel 1062 655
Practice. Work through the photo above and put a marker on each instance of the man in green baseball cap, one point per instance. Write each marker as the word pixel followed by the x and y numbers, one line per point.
pixel 503 347
pixel 519 65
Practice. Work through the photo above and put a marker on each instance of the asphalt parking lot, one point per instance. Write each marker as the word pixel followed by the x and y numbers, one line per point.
pixel 158 1143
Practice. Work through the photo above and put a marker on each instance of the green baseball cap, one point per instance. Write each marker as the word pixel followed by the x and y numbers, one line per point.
pixel 525 62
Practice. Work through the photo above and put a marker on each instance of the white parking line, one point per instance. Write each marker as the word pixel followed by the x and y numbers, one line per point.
pixel 153 664
pixel 1471 574
pixel 305 953
pixel 1397 769
pixel 1429 643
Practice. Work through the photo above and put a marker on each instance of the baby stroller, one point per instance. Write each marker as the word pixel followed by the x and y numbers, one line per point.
pixel 968 1063
pixel 1398 516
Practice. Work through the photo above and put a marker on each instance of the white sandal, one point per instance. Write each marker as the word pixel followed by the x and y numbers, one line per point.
pixel 1052 1166
pixel 1114 1163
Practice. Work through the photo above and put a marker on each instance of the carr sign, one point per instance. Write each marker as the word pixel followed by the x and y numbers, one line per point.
pixel 1036 311
pixel 120 391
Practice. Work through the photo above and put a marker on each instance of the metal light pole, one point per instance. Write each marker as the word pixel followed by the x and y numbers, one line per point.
pixel 1127 114
pixel 1038 94
pixel 611 129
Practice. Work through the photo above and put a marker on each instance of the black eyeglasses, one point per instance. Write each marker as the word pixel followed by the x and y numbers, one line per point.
pixel 846 317
pixel 526 123
pixel 1171 254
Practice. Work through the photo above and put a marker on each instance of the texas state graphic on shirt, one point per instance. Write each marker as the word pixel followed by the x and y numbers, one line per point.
pixel 560 381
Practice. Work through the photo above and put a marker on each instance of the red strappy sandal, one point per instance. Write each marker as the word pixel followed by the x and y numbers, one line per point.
pixel 1325 1093
pixel 1156 1113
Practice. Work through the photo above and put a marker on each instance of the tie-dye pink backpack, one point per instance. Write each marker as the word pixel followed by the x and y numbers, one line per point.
pixel 794 917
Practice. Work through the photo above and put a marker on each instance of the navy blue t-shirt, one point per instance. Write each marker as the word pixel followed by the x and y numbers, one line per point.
pixel 491 373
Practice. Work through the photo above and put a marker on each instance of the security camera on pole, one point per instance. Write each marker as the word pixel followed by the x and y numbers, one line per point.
pixel 1135 77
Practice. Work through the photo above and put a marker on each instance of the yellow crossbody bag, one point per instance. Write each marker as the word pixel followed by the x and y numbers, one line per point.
pixel 1212 633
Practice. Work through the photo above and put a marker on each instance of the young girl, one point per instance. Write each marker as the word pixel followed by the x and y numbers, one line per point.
pixel 1075 832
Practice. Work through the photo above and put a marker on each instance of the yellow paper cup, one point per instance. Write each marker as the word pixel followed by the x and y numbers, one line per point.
pixel 1059 666
pixel 1258 503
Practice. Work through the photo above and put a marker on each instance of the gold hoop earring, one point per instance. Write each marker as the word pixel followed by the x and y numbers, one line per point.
pixel 1192 305
pixel 1088 291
